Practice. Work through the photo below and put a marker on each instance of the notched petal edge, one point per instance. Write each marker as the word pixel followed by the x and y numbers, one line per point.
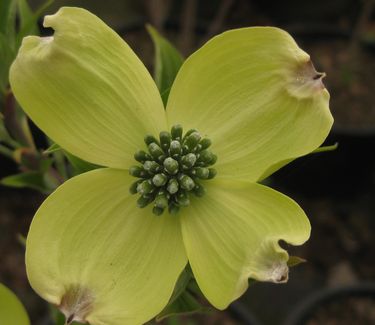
pixel 77 303
pixel 304 81
pixel 270 263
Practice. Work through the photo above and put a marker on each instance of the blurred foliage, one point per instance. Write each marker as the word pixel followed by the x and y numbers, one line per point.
pixel 17 20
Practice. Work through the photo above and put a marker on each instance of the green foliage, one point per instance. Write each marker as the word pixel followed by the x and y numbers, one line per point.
pixel 167 62
pixel 10 37
pixel 182 301
pixel 33 180
pixel 79 165
pixel 295 260
pixel 185 304
pixel 16 141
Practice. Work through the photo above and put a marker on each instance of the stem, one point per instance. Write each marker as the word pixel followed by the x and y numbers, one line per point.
pixel 15 121
pixel 59 163
pixel 188 25
pixel 13 143
pixel 6 151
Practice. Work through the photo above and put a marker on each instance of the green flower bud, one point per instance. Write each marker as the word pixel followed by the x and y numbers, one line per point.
pixel 173 209
pixel 152 167
pixel 137 171
pixel 176 132
pixel 213 160
pixel 159 180
pixel 183 199
pixel 150 139
pixel 141 156
pixel 145 187
pixel 143 201
pixel 205 156
pixel 157 211
pixel 186 183
pixel 199 190
pixel 212 173
pixel 133 187
pixel 165 140
pixel 173 186
pixel 188 133
pixel 171 166
pixel 192 140
pixel 205 143
pixel 161 201
pixel 175 148
pixel 155 151
pixel 202 172
pixel 188 160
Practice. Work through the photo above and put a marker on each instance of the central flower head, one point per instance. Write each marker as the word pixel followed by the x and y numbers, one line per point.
pixel 173 167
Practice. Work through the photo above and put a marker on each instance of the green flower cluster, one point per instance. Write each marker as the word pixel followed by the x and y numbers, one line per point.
pixel 173 168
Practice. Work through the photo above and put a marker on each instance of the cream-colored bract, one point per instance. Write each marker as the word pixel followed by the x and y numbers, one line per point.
pixel 12 312
pixel 97 98
pixel 90 250
pixel 232 235
pixel 88 239
pixel 241 88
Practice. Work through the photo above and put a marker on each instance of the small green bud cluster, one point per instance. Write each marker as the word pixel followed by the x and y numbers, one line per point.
pixel 172 169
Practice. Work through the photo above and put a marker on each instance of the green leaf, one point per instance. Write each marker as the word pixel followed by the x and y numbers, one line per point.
pixel 52 148
pixel 295 260
pixel 8 18
pixel 167 62
pixel 183 301
pixel 12 311
pixel 4 135
pixel 80 166
pixel 33 180
pixel 7 55
pixel 28 20
pixel 326 148
pixel 185 304
pixel 285 162
pixel 181 285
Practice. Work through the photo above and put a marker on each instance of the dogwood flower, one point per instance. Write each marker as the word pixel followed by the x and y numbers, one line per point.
pixel 241 107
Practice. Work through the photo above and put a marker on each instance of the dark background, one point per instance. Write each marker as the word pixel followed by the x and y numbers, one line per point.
pixel 336 189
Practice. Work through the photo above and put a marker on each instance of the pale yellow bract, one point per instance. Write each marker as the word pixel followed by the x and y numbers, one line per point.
pixel 90 250
pixel 12 312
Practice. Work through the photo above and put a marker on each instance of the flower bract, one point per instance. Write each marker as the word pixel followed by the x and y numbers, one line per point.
pixel 91 250
pixel 12 312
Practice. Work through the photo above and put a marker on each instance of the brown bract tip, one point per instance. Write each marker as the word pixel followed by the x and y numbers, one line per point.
pixel 76 304
pixel 305 81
